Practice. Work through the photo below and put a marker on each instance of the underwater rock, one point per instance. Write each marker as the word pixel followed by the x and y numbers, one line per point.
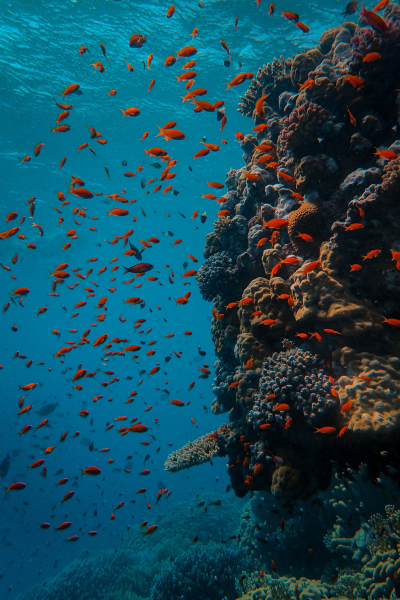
pixel 357 181
pixel 316 173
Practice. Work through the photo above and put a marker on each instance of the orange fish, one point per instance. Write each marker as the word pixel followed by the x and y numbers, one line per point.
pixel 239 79
pixel 325 430
pixel 354 227
pixel 371 254
pixel 304 28
pixel 355 81
pixel 386 154
pixel 275 224
pixel 312 266
pixel 394 322
pixel 132 111
pixel 371 57
pixel 305 237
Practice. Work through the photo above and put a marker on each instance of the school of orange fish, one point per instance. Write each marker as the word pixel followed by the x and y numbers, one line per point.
pixel 70 209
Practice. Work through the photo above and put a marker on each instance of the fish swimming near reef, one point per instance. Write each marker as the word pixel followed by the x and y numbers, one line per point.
pixel 351 8
pixel 139 268
pixel 5 465
pixel 137 252
pixel 47 409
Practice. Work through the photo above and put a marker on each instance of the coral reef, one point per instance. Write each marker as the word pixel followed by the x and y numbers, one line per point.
pixel 214 275
pixel 204 572
pixel 300 130
pixel 295 378
pixel 305 278
pixel 305 219
pixel 229 235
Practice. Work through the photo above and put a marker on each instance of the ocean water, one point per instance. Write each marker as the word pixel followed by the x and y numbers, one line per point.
pixel 217 534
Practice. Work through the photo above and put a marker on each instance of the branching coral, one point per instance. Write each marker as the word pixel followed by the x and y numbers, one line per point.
pixel 193 453
pixel 296 378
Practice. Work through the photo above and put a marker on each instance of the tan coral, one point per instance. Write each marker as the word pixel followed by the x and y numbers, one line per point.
pixel 270 258
pixel 255 339
pixel 265 294
pixel 231 179
pixel 375 403
pixel 329 36
pixel 302 64
pixel 330 258
pixel 290 484
pixel 213 245
pixel 318 296
pixel 193 453
pixel 306 219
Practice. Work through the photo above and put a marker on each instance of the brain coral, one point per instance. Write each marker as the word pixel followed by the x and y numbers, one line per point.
pixel 375 402
pixel 306 219
pixel 289 484
pixel 296 378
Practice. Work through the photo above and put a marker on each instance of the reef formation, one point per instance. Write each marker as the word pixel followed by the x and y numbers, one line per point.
pixel 303 269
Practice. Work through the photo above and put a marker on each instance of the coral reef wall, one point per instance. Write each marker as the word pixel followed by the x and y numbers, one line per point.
pixel 303 269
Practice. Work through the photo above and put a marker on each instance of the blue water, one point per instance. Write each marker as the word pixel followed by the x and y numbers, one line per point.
pixel 39 56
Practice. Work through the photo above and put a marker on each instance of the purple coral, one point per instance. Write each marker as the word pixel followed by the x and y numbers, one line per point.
pixel 388 46
pixel 296 378
pixel 303 126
